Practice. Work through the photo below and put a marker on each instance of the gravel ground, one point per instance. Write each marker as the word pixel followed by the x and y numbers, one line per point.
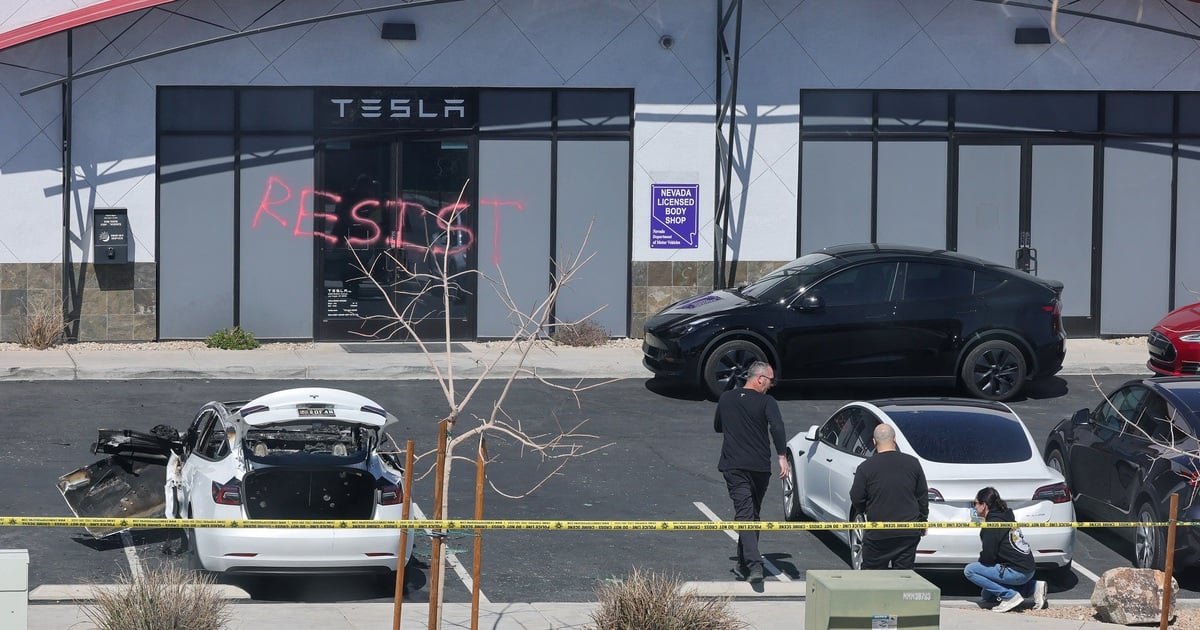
pixel 1185 619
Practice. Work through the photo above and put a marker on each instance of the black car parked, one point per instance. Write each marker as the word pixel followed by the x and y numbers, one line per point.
pixel 1123 459
pixel 879 313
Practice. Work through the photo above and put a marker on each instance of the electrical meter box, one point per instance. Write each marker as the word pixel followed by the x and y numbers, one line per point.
pixel 870 599
pixel 14 589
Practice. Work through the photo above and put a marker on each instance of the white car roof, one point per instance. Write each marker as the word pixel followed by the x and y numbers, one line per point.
pixel 313 403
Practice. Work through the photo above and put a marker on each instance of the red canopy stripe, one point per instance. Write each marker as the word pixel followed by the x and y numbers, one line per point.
pixel 79 17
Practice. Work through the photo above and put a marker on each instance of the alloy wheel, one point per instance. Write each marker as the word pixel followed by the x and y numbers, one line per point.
pixel 996 372
pixel 1145 546
pixel 856 543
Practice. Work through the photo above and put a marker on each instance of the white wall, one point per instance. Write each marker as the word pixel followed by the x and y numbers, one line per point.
pixel 787 45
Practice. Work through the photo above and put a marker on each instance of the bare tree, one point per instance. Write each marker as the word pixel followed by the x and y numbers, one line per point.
pixel 558 444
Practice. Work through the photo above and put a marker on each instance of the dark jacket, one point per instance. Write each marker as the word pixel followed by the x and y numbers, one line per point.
pixel 890 486
pixel 750 421
pixel 1005 546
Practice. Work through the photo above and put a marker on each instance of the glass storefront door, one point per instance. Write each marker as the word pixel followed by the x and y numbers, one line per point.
pixel 398 240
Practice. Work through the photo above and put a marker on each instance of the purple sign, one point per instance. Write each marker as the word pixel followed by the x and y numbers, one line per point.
pixel 673 216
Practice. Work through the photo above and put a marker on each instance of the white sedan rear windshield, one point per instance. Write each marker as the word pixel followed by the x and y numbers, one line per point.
pixel 962 436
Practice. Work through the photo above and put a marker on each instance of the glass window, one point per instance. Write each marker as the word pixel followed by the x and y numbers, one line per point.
pixel 865 284
pixel 514 110
pixel 594 110
pixel 1026 111
pixel 962 435
pixel 276 109
pixel 195 109
pixel 785 281
pixel 929 281
pixel 833 428
pixel 862 440
pixel 913 111
pixel 836 111
pixel 1138 113
pixel 1120 407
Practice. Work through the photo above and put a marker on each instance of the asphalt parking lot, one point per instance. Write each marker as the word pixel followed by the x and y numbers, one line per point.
pixel 658 463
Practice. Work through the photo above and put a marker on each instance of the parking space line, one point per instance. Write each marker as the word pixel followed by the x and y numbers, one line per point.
pixel 452 560
pixel 712 516
pixel 1082 570
pixel 135 564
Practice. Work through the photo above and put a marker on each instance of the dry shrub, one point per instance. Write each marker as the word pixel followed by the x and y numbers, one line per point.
pixel 43 324
pixel 586 334
pixel 650 601
pixel 166 598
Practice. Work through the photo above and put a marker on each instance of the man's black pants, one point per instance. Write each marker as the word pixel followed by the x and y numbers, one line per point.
pixel 897 552
pixel 747 489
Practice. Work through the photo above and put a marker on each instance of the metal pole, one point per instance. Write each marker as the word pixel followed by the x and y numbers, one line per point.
pixel 401 557
pixel 67 172
pixel 435 562
pixel 1169 567
pixel 480 458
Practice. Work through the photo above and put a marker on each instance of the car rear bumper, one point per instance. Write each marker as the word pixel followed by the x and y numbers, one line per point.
pixel 1050 359
pixel 944 547
pixel 300 551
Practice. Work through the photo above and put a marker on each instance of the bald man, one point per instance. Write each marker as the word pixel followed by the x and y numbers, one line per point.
pixel 890 486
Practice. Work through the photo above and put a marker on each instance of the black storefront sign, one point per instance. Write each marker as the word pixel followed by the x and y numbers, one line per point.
pixel 399 108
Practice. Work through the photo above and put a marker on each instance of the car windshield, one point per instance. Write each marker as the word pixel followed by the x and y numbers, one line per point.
pixel 962 436
pixel 785 281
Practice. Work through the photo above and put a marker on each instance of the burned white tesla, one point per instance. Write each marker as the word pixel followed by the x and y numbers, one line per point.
pixel 297 454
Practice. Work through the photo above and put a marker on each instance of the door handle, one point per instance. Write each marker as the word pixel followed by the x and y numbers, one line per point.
pixel 828 459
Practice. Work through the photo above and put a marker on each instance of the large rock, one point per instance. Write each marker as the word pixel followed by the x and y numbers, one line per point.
pixel 1129 596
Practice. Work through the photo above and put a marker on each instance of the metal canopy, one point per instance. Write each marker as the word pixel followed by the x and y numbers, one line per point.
pixel 73 19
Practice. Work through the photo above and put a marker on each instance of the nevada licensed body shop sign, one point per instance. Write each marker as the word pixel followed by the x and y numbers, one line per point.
pixel 673 216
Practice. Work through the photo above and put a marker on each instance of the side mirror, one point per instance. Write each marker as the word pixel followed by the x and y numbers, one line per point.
pixel 1080 418
pixel 811 435
pixel 810 302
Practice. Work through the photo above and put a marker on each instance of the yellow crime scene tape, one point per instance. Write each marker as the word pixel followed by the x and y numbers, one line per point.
pixel 161 523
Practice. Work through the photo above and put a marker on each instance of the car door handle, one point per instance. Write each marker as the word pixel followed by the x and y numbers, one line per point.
pixel 828 459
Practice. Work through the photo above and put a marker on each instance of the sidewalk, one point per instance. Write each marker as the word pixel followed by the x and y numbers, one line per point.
pixel 332 361
pixel 760 615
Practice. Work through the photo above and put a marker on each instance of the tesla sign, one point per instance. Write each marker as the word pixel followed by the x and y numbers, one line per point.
pixel 395 108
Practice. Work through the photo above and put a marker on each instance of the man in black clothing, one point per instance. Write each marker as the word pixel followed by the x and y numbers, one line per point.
pixel 890 486
pixel 749 421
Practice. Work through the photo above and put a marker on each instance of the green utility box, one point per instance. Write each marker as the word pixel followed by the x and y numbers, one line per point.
pixel 845 600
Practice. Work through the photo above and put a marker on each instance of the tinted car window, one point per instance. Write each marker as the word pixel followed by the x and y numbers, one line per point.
pixel 829 432
pixel 1122 405
pixel 860 437
pixel 865 284
pixel 928 281
pixel 962 436
pixel 790 278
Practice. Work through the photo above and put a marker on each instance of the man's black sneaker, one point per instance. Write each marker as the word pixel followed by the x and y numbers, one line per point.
pixel 756 574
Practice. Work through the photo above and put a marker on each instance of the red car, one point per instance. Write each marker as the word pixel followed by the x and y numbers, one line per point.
pixel 1174 343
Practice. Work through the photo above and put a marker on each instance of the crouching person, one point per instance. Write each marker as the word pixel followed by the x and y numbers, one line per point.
pixel 1005 568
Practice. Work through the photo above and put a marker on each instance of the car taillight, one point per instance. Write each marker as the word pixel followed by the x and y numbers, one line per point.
pixel 227 493
pixel 389 493
pixel 1055 310
pixel 934 495
pixel 1192 477
pixel 1054 493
